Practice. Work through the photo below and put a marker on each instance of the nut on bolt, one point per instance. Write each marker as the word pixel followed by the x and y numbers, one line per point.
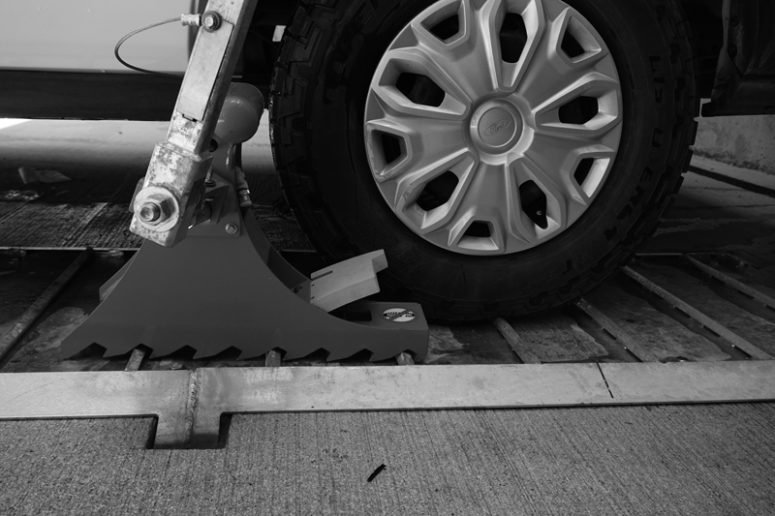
pixel 211 21
pixel 155 208
pixel 150 212
pixel 232 229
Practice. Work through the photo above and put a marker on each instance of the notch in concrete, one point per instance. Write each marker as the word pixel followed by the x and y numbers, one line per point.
pixel 197 426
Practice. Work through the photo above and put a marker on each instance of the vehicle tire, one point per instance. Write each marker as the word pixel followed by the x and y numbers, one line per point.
pixel 564 165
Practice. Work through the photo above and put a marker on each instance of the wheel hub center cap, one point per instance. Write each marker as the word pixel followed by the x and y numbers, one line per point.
pixel 496 126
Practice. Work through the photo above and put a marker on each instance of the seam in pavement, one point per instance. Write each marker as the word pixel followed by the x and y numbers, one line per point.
pixel 605 380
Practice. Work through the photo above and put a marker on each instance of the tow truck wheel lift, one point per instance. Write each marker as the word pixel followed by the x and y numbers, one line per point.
pixel 224 286
pixel 208 279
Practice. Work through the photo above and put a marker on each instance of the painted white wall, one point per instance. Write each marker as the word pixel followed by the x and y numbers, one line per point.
pixel 79 35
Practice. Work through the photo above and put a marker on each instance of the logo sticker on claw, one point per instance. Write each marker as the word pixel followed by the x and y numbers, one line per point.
pixel 399 315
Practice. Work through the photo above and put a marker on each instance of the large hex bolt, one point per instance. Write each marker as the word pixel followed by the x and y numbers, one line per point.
pixel 155 207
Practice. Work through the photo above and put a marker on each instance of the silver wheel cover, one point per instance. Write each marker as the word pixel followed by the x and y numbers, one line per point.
pixel 491 125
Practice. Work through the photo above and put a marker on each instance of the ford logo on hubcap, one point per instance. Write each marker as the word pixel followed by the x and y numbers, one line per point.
pixel 498 126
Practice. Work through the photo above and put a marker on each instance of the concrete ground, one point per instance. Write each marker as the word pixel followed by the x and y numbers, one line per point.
pixel 715 459
pixel 700 460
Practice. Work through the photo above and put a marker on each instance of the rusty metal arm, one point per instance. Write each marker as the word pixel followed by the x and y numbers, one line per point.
pixel 166 204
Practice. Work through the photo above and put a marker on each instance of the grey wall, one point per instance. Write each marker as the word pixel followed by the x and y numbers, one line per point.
pixel 744 141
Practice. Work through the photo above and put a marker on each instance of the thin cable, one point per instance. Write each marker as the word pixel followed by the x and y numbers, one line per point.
pixel 123 40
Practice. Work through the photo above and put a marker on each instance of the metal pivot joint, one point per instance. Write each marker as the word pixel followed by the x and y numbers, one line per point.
pixel 208 279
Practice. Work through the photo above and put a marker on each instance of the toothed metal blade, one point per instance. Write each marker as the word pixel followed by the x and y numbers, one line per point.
pixel 210 298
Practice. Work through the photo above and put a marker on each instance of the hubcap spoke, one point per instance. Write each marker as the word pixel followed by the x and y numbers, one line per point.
pixel 420 142
pixel 534 19
pixel 599 89
pixel 550 70
pixel 554 190
pixel 478 223
pixel 562 159
pixel 409 187
pixel 418 60
pixel 393 102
